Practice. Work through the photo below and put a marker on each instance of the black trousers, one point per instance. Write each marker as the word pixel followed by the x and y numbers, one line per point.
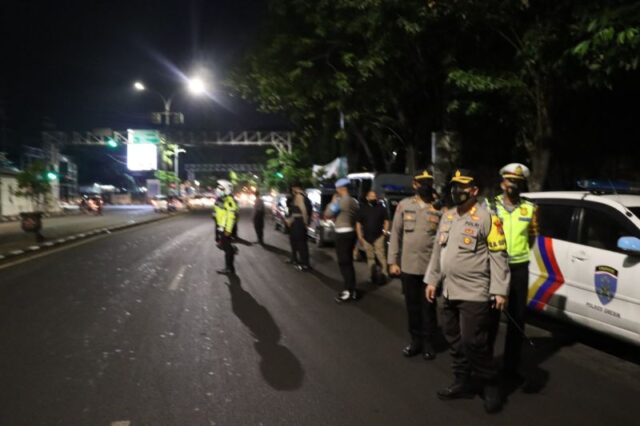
pixel 258 225
pixel 421 314
pixel 517 309
pixel 467 327
pixel 345 243
pixel 298 240
pixel 229 253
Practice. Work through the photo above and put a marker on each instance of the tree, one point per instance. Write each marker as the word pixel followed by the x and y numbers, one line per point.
pixel 34 183
pixel 358 68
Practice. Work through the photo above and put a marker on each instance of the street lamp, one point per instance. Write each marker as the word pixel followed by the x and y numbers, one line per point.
pixel 176 169
pixel 195 85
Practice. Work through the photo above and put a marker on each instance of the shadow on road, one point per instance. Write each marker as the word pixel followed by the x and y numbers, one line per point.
pixel 278 365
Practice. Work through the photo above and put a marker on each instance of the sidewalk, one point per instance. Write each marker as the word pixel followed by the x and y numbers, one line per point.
pixel 61 229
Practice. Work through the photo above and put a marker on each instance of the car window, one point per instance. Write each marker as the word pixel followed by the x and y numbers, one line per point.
pixel 602 229
pixel 554 220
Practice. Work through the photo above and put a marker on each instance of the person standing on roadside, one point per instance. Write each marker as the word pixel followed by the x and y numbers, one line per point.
pixel 519 221
pixel 469 266
pixel 413 232
pixel 371 227
pixel 258 218
pixel 344 209
pixel 299 214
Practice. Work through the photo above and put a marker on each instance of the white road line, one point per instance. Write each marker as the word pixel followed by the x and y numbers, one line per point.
pixel 176 280
pixel 121 423
pixel 48 252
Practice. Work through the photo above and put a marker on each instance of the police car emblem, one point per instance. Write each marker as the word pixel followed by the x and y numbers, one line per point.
pixel 606 281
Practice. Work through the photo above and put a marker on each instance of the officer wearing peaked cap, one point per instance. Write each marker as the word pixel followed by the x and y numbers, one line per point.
pixel 469 265
pixel 518 217
pixel 413 233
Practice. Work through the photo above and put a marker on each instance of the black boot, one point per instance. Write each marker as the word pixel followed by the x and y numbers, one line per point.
pixel 413 348
pixel 428 351
pixel 461 388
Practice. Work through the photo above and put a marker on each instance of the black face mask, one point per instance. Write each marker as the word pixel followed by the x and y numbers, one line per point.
pixel 372 203
pixel 424 191
pixel 459 196
pixel 513 191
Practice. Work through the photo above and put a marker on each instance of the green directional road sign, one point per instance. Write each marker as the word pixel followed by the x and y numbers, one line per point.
pixel 136 136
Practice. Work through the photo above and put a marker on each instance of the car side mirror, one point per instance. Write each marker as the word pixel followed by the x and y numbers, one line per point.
pixel 630 245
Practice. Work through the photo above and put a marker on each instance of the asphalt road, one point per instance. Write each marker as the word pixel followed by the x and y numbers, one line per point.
pixel 136 328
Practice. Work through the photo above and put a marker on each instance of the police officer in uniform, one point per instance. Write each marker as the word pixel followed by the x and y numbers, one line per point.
pixel 226 217
pixel 344 209
pixel 413 232
pixel 297 221
pixel 469 266
pixel 519 221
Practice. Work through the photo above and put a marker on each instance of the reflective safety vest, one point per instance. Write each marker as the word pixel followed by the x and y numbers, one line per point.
pixel 519 226
pixel 226 212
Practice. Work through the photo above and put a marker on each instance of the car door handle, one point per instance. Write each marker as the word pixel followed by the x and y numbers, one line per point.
pixel 579 256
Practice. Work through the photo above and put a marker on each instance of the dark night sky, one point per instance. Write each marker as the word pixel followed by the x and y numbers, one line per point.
pixel 74 61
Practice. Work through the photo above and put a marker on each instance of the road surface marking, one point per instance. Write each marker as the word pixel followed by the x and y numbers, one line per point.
pixel 121 423
pixel 48 252
pixel 176 280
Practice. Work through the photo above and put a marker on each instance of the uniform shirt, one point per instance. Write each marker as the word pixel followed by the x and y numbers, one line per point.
pixel 469 260
pixel 226 211
pixel 345 217
pixel 300 208
pixel 413 233
pixel 372 219
pixel 520 225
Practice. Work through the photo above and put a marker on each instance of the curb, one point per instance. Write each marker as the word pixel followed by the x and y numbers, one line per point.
pixel 72 238
pixel 16 218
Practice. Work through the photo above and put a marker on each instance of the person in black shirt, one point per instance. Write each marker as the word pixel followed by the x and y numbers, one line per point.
pixel 372 226
pixel 258 218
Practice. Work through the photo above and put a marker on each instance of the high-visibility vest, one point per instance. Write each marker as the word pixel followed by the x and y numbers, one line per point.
pixel 519 225
pixel 226 210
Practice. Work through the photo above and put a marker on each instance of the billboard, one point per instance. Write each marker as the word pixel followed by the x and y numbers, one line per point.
pixel 142 157
pixel 142 149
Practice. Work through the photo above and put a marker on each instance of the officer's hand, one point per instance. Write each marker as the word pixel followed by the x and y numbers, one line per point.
pixel 394 269
pixel 501 302
pixel 430 293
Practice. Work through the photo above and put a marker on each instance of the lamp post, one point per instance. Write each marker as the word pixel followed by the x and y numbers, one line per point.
pixel 196 87
pixel 176 169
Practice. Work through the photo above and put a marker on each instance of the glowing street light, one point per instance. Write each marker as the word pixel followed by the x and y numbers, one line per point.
pixel 138 86
pixel 196 86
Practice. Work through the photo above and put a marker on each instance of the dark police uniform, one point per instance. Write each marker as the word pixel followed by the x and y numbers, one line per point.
pixel 413 233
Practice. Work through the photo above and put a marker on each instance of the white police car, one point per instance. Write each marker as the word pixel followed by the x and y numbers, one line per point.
pixel 585 264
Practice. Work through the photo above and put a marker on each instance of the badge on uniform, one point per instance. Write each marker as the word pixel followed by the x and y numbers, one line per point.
pixel 524 211
pixel 606 280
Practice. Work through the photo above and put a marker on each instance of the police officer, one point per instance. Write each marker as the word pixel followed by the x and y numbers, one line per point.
pixel 413 232
pixel 226 217
pixel 297 221
pixel 345 210
pixel 519 221
pixel 469 266
pixel 258 217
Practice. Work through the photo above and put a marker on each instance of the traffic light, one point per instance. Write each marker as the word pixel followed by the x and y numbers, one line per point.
pixel 111 143
pixel 279 174
pixel 51 176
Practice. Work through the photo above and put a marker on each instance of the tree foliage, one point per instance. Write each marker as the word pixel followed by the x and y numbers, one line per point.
pixel 34 184
pixel 368 78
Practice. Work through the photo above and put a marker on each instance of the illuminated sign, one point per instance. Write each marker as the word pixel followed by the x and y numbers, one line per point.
pixel 142 157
